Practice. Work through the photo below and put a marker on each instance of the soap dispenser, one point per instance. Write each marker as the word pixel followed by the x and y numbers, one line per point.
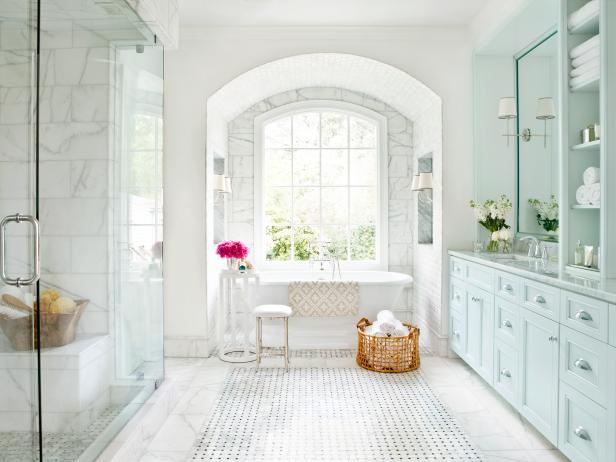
pixel 578 254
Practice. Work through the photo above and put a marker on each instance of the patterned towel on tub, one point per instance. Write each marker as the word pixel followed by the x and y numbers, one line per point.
pixel 324 298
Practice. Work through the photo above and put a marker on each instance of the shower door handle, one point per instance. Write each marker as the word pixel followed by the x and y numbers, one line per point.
pixel 18 218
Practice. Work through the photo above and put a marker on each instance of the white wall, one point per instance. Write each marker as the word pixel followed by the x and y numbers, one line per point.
pixel 207 59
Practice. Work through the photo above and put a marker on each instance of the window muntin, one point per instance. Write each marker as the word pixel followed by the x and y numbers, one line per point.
pixel 320 179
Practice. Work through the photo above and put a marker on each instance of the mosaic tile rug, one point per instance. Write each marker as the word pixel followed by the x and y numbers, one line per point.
pixel 341 414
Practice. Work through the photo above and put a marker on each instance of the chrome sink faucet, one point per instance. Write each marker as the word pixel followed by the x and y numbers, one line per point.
pixel 536 249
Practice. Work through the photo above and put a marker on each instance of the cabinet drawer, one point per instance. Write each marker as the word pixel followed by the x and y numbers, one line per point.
pixel 457 295
pixel 612 320
pixel 584 364
pixel 506 380
pixel 541 298
pixel 582 424
pixel 584 314
pixel 457 267
pixel 506 324
pixel 507 286
pixel 457 338
pixel 480 276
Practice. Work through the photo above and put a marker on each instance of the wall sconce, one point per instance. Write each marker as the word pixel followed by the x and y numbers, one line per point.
pixel 507 109
pixel 545 111
pixel 422 181
pixel 221 184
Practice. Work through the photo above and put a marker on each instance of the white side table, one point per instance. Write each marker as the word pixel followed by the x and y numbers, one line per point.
pixel 237 298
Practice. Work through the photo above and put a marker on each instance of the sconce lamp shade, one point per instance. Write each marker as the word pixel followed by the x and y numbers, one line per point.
pixel 545 108
pixel 425 181
pixel 507 108
pixel 415 183
pixel 221 183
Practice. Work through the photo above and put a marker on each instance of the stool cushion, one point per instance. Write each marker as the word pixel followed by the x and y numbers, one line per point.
pixel 273 311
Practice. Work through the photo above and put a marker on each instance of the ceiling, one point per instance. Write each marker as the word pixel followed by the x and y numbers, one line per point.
pixel 200 13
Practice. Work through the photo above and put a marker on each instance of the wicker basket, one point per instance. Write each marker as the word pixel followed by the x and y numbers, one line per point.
pixel 387 354
pixel 57 329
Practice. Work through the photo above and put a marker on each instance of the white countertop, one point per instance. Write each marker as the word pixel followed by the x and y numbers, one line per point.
pixel 604 289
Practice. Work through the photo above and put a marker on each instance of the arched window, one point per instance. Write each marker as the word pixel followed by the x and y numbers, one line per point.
pixel 320 185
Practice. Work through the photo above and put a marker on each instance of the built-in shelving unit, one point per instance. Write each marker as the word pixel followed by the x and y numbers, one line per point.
pixel 582 106
pixel 592 146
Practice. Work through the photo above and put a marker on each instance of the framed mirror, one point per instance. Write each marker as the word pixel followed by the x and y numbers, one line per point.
pixel 537 147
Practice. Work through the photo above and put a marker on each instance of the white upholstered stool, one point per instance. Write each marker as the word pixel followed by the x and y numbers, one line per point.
pixel 273 312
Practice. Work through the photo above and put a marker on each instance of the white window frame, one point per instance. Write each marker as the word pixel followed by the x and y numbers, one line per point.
pixel 288 110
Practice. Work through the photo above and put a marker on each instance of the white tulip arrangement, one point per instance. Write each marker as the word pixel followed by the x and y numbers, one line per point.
pixel 492 215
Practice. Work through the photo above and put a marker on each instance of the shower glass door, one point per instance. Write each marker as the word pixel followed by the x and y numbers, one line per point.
pixel 19 403
pixel 81 207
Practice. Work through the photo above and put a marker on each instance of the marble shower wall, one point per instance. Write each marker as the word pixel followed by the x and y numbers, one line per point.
pixel 75 157
pixel 240 219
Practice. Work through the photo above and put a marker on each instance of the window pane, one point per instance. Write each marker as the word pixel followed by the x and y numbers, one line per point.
pixel 335 208
pixel 363 133
pixel 277 166
pixel 363 243
pixel 305 238
pixel 363 206
pixel 278 206
pixel 306 130
pixel 306 167
pixel 334 130
pixel 142 206
pixel 364 169
pixel 336 236
pixel 278 243
pixel 278 134
pixel 143 169
pixel 334 168
pixel 144 134
pixel 306 206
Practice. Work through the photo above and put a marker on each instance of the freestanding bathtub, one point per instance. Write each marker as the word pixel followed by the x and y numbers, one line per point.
pixel 378 290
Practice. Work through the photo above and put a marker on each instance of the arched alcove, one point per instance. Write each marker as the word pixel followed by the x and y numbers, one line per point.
pixel 254 92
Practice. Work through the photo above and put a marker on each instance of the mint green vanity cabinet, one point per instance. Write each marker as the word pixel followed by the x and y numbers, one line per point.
pixel 553 350
pixel 538 366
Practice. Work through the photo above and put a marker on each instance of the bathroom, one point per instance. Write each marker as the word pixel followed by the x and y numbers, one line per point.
pixel 351 189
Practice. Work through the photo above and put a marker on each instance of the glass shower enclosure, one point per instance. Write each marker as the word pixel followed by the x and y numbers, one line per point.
pixel 81 302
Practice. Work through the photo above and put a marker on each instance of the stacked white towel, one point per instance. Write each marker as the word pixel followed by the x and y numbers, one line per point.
pixel 585 62
pixel 386 325
pixel 590 192
pixel 583 14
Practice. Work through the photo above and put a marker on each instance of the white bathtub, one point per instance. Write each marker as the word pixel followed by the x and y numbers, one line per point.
pixel 378 290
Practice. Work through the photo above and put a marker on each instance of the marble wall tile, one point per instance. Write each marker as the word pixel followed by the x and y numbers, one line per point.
pixel 74 217
pixel 241 144
pixel 89 254
pixel 320 93
pixel 55 254
pixel 399 210
pixel 13 179
pixel 15 105
pixel 399 167
pixel 55 179
pixel 55 104
pixel 242 167
pixel 242 211
pixel 90 103
pixel 89 178
pixel 15 68
pixel 400 233
pixel 400 188
pixel 242 189
pixel 14 142
pixel 87 140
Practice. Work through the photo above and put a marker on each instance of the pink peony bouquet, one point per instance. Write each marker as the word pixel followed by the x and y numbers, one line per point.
pixel 232 249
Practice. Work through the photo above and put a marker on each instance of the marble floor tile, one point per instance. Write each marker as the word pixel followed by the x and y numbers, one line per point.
pixel 178 433
pixel 492 424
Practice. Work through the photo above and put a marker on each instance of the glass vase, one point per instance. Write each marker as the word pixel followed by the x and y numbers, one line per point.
pixel 492 246
pixel 232 263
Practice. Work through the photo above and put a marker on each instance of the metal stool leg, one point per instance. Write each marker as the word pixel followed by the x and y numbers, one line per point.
pixel 258 342
pixel 286 344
